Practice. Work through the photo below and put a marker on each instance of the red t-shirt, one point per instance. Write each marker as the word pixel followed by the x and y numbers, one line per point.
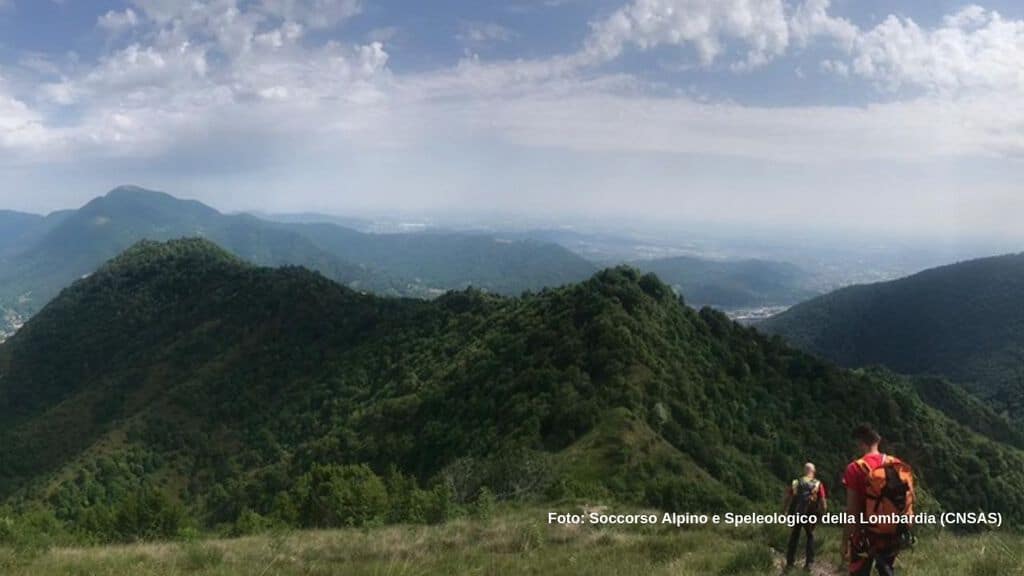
pixel 855 479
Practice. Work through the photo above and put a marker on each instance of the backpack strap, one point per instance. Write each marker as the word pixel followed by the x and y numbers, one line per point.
pixel 887 460
pixel 863 465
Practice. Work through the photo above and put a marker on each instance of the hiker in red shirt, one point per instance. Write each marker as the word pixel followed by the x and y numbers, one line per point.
pixel 865 545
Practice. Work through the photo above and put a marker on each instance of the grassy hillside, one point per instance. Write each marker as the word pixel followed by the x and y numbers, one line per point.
pixel 964 322
pixel 731 284
pixel 179 388
pixel 511 542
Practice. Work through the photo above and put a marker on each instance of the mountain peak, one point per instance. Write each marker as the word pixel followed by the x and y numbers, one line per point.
pixel 126 191
pixel 138 198
pixel 130 189
pixel 148 253
pixel 628 278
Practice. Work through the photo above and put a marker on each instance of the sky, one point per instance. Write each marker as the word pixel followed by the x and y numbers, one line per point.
pixel 896 116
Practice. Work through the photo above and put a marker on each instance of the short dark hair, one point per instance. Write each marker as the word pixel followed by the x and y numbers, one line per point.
pixel 866 434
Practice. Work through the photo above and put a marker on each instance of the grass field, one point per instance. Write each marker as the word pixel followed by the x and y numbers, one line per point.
pixel 518 542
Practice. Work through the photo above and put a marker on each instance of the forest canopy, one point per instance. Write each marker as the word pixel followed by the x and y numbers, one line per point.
pixel 180 389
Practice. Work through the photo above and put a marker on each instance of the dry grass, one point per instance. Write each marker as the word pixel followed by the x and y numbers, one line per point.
pixel 517 542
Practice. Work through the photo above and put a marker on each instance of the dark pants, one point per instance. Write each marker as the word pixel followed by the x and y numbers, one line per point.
pixel 794 539
pixel 883 565
pixel 874 550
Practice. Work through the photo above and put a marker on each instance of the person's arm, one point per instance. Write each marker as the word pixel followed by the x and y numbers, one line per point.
pixel 854 506
pixel 787 499
pixel 823 498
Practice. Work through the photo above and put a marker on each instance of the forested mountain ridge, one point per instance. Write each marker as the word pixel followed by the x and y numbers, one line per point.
pixel 184 383
pixel 40 256
pixel 455 260
pixel 19 230
pixel 732 284
pixel 79 241
pixel 963 321
pixel 14 226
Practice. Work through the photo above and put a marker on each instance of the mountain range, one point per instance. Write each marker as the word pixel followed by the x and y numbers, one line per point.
pixel 964 321
pixel 178 381
pixel 40 255
pixel 733 284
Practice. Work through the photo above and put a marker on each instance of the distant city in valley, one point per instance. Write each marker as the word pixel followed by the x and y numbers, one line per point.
pixel 750 278
pixel 436 288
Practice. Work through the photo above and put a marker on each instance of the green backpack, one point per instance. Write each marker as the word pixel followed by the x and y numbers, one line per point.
pixel 805 496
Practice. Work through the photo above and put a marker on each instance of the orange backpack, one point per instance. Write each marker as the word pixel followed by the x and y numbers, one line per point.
pixel 889 491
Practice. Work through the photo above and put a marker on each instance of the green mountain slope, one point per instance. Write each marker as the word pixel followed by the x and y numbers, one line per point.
pixel 14 226
pixel 963 321
pixel 451 261
pixel 731 284
pixel 19 230
pixel 178 382
pixel 45 255
pixel 78 242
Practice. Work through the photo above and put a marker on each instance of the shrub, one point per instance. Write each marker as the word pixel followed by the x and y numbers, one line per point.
pixel 440 504
pixel 32 530
pixel 483 506
pixel 250 522
pixel 334 496
pixel 150 515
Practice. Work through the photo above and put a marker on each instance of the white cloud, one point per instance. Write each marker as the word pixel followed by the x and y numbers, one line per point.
pixel 974 49
pixel 117 22
pixel 474 34
pixel 201 70
pixel 22 130
pixel 288 33
pixel 553 106
pixel 208 87
pixel 136 69
pixel 246 74
pixel 810 20
pixel 837 67
pixel 706 25
pixel 61 93
pixel 971 49
pixel 313 13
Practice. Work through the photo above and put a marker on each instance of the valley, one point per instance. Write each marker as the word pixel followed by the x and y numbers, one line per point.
pixel 538 287
pixel 276 403
pixel 266 398
pixel 960 321
pixel 39 256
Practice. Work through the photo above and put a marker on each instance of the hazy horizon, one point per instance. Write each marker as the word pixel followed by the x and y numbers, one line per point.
pixel 892 120
pixel 837 256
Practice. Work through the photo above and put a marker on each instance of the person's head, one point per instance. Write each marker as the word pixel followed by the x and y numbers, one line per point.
pixel 866 437
pixel 809 470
